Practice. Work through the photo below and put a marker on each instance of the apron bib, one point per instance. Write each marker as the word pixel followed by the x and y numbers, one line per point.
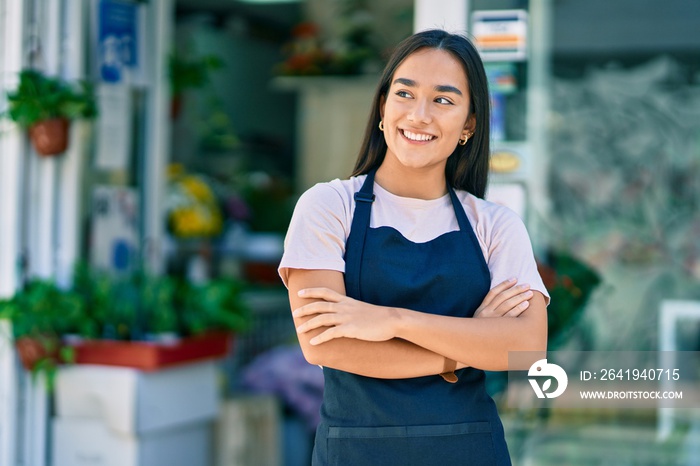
pixel 422 421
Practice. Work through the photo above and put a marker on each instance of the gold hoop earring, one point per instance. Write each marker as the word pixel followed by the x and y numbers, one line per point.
pixel 381 125
pixel 463 142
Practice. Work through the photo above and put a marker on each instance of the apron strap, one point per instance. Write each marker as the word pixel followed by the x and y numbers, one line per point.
pixel 356 241
pixel 466 228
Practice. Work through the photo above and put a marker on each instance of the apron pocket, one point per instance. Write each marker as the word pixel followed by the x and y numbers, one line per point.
pixel 448 444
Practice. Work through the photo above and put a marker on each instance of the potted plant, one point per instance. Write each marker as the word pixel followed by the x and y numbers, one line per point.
pixel 570 283
pixel 352 52
pixel 149 322
pixel 271 202
pixel 45 106
pixel 41 315
pixel 111 320
pixel 189 74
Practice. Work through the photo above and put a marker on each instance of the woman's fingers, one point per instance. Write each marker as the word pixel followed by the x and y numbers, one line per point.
pixel 321 320
pixel 508 296
pixel 517 310
pixel 512 302
pixel 347 318
pixel 328 335
pixel 496 290
pixel 325 294
pixel 507 301
pixel 318 307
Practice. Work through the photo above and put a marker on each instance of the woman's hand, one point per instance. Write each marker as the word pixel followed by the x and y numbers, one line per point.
pixel 344 317
pixel 505 300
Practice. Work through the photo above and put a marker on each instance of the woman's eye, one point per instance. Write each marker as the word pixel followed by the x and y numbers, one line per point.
pixel 403 94
pixel 442 100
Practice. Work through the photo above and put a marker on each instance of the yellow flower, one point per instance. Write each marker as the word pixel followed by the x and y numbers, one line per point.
pixel 193 210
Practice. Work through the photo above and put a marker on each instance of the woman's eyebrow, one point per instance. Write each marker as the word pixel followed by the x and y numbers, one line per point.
pixel 438 88
pixel 405 82
pixel 446 88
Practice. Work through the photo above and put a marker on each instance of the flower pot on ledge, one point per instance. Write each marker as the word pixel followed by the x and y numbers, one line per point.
pixel 152 356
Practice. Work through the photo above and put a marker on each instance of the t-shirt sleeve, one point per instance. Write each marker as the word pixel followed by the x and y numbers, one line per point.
pixel 510 252
pixel 317 232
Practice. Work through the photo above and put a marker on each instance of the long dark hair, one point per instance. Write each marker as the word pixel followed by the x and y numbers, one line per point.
pixel 468 166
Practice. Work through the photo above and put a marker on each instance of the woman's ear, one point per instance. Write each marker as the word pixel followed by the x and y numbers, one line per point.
pixel 382 103
pixel 470 125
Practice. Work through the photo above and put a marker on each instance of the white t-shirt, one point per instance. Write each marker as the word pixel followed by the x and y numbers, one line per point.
pixel 322 219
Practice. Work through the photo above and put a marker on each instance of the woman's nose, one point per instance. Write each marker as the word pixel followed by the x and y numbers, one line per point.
pixel 420 112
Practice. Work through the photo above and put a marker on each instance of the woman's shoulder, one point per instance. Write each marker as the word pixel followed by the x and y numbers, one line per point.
pixel 344 189
pixel 332 194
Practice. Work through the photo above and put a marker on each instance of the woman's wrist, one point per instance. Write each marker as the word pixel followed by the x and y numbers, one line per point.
pixel 396 320
pixel 401 322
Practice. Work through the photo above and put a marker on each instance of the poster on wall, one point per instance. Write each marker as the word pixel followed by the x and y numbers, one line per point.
pixel 114 127
pixel 114 238
pixel 120 41
pixel 500 35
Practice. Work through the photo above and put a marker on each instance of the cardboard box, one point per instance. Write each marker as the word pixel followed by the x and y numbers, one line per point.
pixel 89 442
pixel 131 401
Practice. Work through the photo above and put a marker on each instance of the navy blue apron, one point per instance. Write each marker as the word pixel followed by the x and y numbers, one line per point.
pixel 422 421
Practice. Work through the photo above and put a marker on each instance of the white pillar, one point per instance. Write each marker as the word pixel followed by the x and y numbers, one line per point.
pixel 8 397
pixel 69 205
pixel 157 142
pixel 42 200
pixel 12 19
pixel 42 210
pixel 35 421
pixel 41 216
pixel 11 149
pixel 539 83
pixel 450 15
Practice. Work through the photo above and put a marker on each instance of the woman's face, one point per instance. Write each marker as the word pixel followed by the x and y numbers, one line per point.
pixel 426 110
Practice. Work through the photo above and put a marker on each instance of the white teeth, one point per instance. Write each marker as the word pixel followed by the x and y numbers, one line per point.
pixel 417 136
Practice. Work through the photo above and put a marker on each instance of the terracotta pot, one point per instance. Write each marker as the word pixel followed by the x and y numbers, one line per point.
pixel 31 350
pixel 50 137
pixel 149 356
pixel 175 106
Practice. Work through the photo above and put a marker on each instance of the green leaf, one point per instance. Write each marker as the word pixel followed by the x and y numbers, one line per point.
pixel 67 354
pixel 39 97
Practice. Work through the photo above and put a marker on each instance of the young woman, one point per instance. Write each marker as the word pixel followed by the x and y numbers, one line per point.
pixel 400 277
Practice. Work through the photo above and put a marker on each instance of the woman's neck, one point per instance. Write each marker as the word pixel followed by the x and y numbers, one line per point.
pixel 425 183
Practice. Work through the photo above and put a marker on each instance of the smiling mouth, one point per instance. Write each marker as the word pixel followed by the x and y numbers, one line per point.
pixel 416 137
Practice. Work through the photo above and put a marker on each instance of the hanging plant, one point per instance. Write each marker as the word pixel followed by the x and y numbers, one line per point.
pixel 45 106
pixel 188 73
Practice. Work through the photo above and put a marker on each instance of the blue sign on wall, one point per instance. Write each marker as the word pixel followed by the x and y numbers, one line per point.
pixel 118 40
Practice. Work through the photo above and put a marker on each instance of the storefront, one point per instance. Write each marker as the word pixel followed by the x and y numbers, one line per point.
pixel 42 210
pixel 595 145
